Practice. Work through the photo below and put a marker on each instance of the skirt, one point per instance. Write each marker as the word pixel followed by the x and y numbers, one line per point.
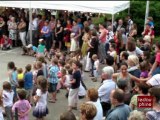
pixel 73 97
pixel 40 112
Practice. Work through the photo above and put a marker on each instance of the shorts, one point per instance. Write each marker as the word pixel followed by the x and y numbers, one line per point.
pixel 52 87
pixel 29 93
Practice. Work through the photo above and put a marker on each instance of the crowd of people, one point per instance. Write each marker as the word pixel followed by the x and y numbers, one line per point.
pixel 64 49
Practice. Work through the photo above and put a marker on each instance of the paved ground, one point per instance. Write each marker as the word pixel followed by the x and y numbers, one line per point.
pixel 55 109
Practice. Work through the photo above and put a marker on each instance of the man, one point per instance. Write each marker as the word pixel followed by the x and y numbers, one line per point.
pixel 120 110
pixel 129 24
pixel 120 25
pixel 107 86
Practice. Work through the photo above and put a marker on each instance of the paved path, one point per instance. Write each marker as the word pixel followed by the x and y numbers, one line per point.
pixel 55 109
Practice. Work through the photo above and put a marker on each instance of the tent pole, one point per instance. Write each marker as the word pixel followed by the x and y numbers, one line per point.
pixel 147 12
pixel 30 21
pixel 112 21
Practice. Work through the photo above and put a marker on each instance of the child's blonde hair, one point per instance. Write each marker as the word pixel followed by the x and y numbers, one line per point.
pixel 20 70
pixel 94 56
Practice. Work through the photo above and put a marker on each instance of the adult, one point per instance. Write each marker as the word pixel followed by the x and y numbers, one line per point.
pixel 133 63
pixel 93 49
pixel 46 35
pixel 41 21
pixel 33 26
pixel 2 25
pixel 12 28
pixel 149 31
pixel 137 115
pixel 105 89
pixel 85 38
pixel 88 111
pixel 91 25
pixel 77 30
pixel 102 40
pixel 92 96
pixel 22 31
pixel 52 24
pixel 142 90
pixel 133 31
pixel 132 49
pixel 67 32
pixel 120 25
pixel 120 111
pixel 59 33
pixel 129 24
pixel 154 114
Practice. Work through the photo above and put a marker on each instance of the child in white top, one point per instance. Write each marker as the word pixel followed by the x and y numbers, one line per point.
pixel 7 95
pixel 41 110
pixel 95 67
pixel 1 107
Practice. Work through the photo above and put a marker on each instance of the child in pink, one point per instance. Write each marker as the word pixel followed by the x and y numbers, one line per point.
pixel 23 106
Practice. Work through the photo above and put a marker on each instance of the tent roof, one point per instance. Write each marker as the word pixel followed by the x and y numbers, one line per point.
pixel 109 7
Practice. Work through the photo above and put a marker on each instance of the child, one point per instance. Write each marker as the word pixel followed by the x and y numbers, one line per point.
pixel 156 66
pixel 53 79
pixel 75 84
pixel 28 81
pixel 74 46
pixel 29 50
pixel 113 52
pixel 96 67
pixel 20 75
pixel 41 110
pixel 63 78
pixel 7 95
pixel 41 48
pixel 13 77
pixel 22 106
pixel 61 64
pixel 5 42
pixel 144 69
pixel 20 85
pixel 39 68
pixel 1 107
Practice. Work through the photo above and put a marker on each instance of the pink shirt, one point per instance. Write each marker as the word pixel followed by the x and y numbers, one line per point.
pixel 103 35
pixel 158 58
pixel 22 106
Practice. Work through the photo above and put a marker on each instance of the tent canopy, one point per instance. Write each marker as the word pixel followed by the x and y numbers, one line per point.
pixel 108 7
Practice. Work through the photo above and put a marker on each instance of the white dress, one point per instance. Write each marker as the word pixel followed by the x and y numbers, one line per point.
pixel 73 45
pixel 1 113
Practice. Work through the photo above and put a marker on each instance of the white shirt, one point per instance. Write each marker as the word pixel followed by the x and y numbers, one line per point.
pixel 138 52
pixel 7 98
pixel 96 64
pixel 105 90
pixel 42 98
pixel 33 25
pixel 1 113
pixel 155 80
pixel 99 115
pixel 82 91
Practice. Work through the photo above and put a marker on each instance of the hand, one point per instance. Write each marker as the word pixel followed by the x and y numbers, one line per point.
pixel 150 74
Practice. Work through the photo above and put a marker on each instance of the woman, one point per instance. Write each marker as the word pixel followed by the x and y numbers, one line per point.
pixel 102 40
pixel 77 30
pixel 67 32
pixel 12 28
pixel 45 31
pixel 133 32
pixel 22 31
pixel 85 38
pixel 124 76
pixel 154 114
pixel 59 33
pixel 92 96
pixel 133 63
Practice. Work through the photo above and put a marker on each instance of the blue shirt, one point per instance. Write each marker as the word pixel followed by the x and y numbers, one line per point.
pixel 45 29
pixel 34 48
pixel 53 77
pixel 120 112
pixel 13 80
pixel 28 80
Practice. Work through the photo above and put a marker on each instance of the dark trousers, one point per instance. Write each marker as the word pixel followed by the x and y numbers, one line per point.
pixel 48 43
pixel 105 106
pixel 92 67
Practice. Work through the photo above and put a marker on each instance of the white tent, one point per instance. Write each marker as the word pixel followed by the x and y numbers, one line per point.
pixel 109 7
